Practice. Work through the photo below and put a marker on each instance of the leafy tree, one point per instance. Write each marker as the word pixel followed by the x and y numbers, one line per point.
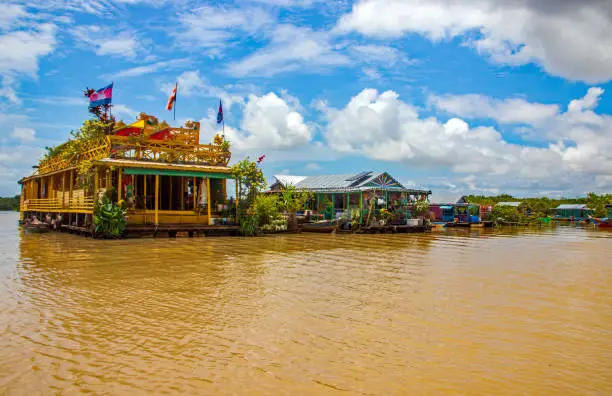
pixel 9 203
pixel 292 200
pixel 266 208
pixel 251 182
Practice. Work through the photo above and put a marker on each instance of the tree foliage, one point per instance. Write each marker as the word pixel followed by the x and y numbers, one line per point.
pixel 266 209
pixel 539 207
pixel 9 203
pixel 109 218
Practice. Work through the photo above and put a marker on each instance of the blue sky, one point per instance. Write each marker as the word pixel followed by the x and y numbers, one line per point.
pixel 487 97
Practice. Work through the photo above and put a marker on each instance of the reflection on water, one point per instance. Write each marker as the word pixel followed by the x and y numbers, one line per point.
pixel 457 312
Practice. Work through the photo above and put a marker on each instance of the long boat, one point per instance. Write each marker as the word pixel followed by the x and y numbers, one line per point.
pixel 322 227
pixel 162 174
pixel 603 223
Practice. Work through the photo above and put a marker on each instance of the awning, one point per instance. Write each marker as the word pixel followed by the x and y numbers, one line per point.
pixel 176 172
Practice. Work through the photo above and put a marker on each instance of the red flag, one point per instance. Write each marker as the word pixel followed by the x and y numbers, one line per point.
pixel 172 98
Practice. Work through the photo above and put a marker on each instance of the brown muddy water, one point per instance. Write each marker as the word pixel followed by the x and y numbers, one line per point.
pixel 449 313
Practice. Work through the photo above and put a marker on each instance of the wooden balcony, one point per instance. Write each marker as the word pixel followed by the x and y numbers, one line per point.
pixel 75 205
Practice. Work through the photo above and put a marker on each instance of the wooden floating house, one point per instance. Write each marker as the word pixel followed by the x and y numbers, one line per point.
pixel 170 181
pixel 338 195
pixel 570 212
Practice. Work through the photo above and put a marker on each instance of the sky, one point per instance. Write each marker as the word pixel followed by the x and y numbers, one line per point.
pixel 484 97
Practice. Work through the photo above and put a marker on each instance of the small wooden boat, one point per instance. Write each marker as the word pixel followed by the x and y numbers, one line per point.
pixel 488 224
pixel 38 228
pixel 603 223
pixel 476 225
pixel 453 224
pixel 322 227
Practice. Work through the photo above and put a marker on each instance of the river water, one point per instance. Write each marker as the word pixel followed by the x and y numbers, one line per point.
pixel 448 313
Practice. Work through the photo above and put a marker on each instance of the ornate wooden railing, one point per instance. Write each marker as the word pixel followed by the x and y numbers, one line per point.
pixel 141 149
pixel 93 150
pixel 82 204
pixel 169 151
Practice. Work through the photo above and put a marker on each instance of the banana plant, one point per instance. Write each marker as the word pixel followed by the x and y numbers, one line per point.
pixel 109 219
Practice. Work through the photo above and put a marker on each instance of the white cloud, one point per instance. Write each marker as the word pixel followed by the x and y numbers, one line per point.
pixel 383 127
pixel 215 27
pixel 508 111
pixel 24 134
pixel 108 41
pixel 23 42
pixel 268 122
pixel 509 32
pixel 150 68
pixel 121 110
pixel 191 83
pixel 291 48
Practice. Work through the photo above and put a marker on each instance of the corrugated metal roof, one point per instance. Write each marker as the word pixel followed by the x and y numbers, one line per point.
pixel 572 206
pixel 289 180
pixel 331 183
pixel 326 182
pixel 515 204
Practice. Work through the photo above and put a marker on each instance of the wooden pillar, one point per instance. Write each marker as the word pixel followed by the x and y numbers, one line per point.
pixel 96 183
pixel 333 206
pixel 70 191
pixel 209 200
pixel 171 180
pixel 182 192
pixel 237 201
pixel 145 191
pixel 348 201
pixel 63 188
pixel 360 207
pixel 156 199
pixel 195 194
pixel 119 184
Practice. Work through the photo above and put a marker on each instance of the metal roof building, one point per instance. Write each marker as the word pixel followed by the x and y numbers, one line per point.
pixel 362 181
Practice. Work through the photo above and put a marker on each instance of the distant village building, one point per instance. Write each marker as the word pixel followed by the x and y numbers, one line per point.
pixel 572 211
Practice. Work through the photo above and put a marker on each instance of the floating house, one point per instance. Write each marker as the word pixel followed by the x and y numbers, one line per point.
pixel 163 174
pixel 339 193
pixel 572 212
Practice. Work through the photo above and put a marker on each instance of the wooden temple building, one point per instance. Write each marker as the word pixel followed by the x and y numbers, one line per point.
pixel 165 176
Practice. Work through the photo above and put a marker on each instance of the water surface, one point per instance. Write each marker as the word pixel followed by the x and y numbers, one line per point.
pixel 450 313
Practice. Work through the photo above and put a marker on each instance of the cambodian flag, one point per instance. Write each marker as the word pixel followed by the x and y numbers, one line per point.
pixel 220 114
pixel 102 96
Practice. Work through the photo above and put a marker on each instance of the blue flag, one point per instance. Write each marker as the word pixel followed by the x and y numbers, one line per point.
pixel 220 114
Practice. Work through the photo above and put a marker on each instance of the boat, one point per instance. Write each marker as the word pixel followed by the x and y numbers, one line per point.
pixel 603 223
pixel 36 228
pixel 160 175
pixel 321 226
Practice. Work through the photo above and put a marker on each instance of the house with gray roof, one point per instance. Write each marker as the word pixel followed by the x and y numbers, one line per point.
pixel 572 212
pixel 353 190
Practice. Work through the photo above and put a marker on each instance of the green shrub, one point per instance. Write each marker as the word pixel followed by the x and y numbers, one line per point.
pixel 266 209
pixel 109 218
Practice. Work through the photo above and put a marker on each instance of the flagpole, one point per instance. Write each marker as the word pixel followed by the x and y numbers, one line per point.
pixel 175 97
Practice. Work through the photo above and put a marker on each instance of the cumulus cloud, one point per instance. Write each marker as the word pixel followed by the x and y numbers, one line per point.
pixel 507 111
pixel 383 127
pixel 509 32
pixel 269 122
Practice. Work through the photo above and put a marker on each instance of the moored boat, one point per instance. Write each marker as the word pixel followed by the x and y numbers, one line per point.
pixel 322 227
pixel 603 223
